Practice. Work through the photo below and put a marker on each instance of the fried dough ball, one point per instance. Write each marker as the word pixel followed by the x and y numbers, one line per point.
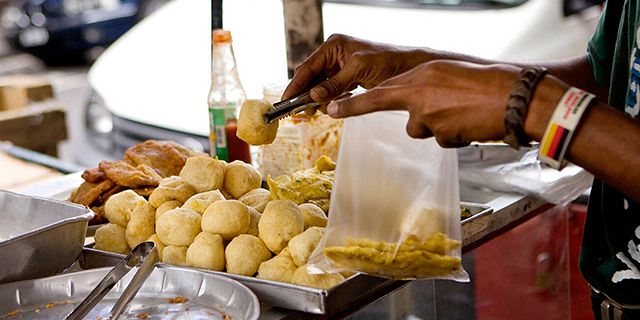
pixel 207 252
pixel 111 237
pixel 228 218
pixel 172 188
pixel 226 194
pixel 203 173
pixel 302 245
pixel 154 238
pixel 256 198
pixel 241 178
pixel 313 215
pixel 244 254
pixel 178 227
pixel 251 126
pixel 254 219
pixel 279 268
pixel 141 226
pixel 281 221
pixel 175 255
pixel 167 206
pixel 119 207
pixel 320 281
pixel 201 201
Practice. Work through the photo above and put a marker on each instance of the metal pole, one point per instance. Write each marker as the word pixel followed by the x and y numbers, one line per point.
pixel 303 30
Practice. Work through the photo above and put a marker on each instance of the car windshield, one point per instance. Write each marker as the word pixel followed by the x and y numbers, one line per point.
pixel 444 4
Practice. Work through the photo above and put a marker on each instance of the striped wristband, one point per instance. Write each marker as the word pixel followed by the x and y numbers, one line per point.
pixel 562 125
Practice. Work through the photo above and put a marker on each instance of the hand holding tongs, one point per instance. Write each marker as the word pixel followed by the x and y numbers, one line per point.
pixel 145 252
pixel 289 107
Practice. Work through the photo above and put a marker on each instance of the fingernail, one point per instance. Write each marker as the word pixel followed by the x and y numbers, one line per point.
pixel 321 92
pixel 332 109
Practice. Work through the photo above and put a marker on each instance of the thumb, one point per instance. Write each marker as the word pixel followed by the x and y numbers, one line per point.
pixel 376 99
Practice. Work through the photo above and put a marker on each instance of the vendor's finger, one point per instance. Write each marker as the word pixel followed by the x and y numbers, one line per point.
pixel 376 99
pixel 416 129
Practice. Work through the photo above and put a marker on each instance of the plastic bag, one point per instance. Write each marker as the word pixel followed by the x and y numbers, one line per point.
pixel 395 205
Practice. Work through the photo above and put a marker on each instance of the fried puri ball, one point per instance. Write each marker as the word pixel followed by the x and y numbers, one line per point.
pixel 207 252
pixel 111 237
pixel 302 245
pixel 313 215
pixel 175 255
pixel 240 178
pixel 280 221
pixel 172 188
pixel 320 281
pixel 154 238
pixel 256 198
pixel 203 173
pixel 119 207
pixel 244 254
pixel 279 268
pixel 251 126
pixel 228 218
pixel 201 201
pixel 172 204
pixel 254 219
pixel 141 226
pixel 178 227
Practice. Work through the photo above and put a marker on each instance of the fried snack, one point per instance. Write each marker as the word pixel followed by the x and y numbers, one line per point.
pixel 320 281
pixel 279 268
pixel 302 245
pixel 87 193
pixel 313 215
pixel 414 258
pixel 226 194
pixel 119 208
pixel 203 173
pixel 256 198
pixel 281 221
pixel 207 252
pixel 178 227
pixel 244 254
pixel 309 185
pixel 111 237
pixel 154 238
pixel 172 188
pixel 175 255
pixel 127 175
pixel 93 175
pixel 167 158
pixel 141 226
pixel 251 126
pixel 228 218
pixel 325 163
pixel 240 178
pixel 321 203
pixel 201 201
pixel 172 204
pixel 254 219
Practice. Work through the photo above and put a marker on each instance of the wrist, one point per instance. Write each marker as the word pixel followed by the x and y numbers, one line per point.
pixel 543 103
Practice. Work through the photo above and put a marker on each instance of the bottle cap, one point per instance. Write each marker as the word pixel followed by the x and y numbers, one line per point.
pixel 220 35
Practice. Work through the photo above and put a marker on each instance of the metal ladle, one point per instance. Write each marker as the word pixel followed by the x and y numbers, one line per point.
pixel 145 252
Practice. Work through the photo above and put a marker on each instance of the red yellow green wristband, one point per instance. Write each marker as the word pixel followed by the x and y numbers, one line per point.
pixel 563 123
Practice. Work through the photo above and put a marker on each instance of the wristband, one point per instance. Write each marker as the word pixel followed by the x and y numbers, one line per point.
pixel 518 105
pixel 561 127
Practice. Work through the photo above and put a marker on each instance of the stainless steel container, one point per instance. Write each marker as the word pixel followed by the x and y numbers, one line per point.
pixel 39 237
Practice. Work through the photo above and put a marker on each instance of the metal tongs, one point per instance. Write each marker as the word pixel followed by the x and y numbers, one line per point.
pixel 289 107
pixel 145 252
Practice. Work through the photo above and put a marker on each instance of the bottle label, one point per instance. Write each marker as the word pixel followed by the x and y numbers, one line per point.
pixel 217 137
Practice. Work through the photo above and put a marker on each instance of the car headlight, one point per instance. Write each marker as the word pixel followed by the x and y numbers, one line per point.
pixel 98 119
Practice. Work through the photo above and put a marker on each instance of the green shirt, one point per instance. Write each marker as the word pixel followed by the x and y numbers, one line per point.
pixel 610 257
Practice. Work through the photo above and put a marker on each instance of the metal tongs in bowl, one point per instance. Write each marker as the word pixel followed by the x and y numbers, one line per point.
pixel 145 252
pixel 289 107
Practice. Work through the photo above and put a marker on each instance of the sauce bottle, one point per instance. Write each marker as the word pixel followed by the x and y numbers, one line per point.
pixel 226 96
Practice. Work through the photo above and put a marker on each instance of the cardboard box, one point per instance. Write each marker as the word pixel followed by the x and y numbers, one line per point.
pixel 17 91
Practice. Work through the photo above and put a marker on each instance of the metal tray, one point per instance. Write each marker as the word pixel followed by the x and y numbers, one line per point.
pixel 39 237
pixel 295 297
pixel 209 296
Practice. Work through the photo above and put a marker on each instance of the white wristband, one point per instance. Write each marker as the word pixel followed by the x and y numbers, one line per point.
pixel 563 123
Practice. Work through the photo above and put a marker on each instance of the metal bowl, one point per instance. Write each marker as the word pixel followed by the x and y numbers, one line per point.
pixel 39 237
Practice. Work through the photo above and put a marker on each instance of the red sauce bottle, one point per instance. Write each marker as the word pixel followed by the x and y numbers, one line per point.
pixel 238 149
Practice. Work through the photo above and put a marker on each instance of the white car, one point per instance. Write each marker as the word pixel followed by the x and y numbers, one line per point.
pixel 153 82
